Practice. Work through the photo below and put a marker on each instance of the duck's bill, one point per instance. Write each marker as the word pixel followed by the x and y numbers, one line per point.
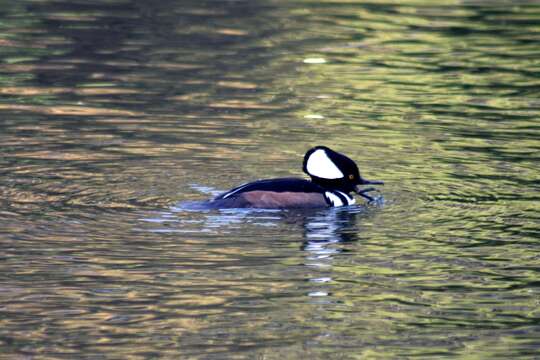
pixel 363 192
pixel 371 182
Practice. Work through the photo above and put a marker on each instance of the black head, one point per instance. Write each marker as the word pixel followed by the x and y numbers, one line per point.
pixel 333 170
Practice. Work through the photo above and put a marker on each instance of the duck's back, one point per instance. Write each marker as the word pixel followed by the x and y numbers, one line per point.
pixel 273 193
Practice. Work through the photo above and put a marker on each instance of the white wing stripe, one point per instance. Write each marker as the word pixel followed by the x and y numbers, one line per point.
pixel 234 191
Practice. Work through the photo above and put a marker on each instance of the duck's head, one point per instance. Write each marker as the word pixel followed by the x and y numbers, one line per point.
pixel 333 170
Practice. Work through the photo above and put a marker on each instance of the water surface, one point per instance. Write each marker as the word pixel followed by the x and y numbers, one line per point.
pixel 114 113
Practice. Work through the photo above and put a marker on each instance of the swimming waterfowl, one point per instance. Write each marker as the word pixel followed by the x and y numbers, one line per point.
pixel 333 177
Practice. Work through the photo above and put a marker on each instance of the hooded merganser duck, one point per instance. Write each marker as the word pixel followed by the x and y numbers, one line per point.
pixel 333 177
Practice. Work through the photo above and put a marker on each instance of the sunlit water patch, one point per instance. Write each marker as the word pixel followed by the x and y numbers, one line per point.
pixel 111 110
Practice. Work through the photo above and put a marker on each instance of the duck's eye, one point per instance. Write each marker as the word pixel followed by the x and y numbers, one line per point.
pixel 351 177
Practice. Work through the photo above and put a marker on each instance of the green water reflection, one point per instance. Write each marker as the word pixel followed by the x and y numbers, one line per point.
pixel 112 113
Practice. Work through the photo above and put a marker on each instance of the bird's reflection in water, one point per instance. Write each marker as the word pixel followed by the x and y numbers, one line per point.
pixel 325 233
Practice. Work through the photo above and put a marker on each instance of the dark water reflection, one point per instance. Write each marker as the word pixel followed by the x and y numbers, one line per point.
pixel 113 113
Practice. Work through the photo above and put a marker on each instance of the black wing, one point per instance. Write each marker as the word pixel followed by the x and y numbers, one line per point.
pixel 277 185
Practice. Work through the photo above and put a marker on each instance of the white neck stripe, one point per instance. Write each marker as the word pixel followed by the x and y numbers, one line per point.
pixel 335 200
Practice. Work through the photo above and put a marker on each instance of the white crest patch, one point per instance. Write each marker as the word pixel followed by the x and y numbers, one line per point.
pixel 320 165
